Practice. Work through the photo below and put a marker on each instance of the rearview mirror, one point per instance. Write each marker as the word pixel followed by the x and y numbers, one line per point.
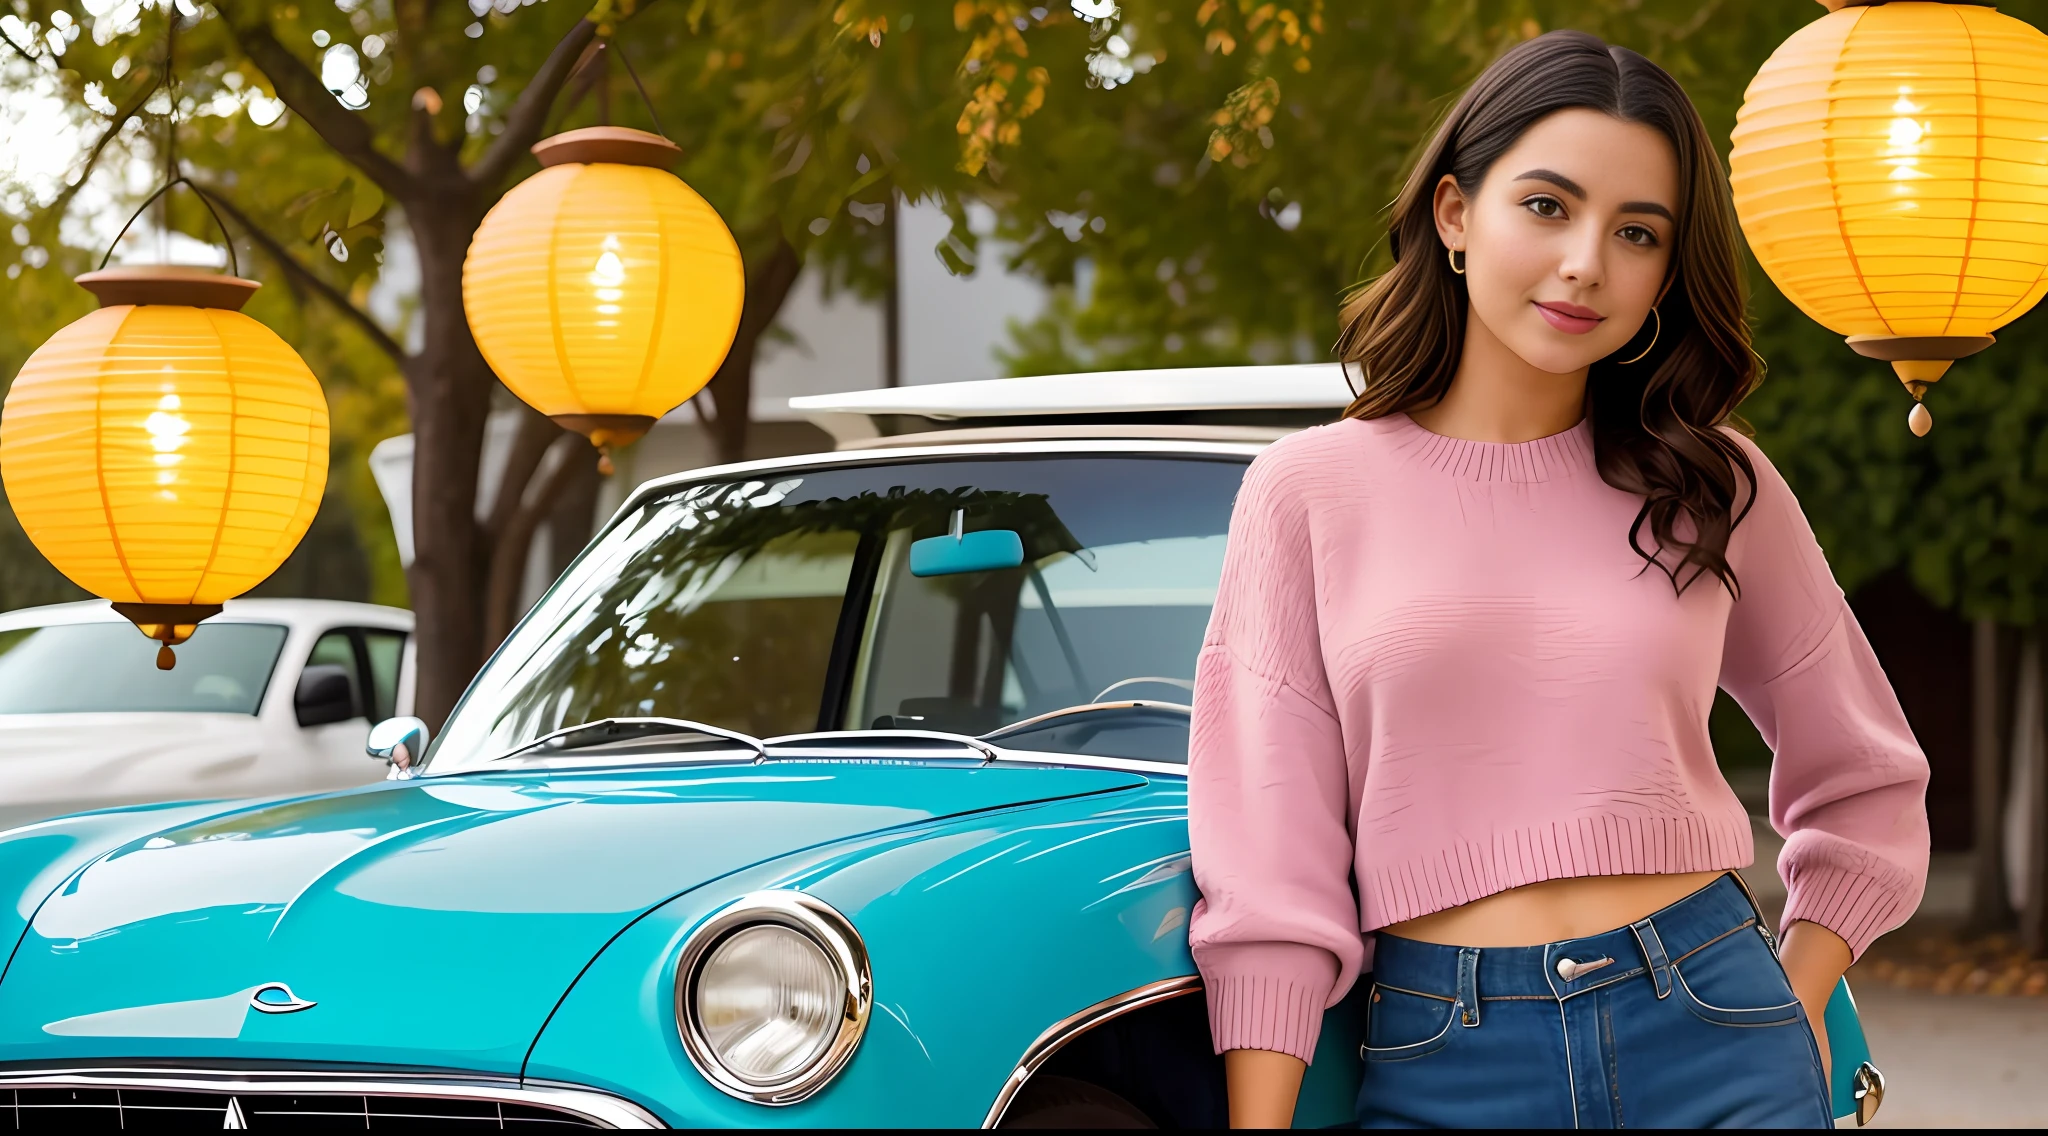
pixel 400 741
pixel 961 551
pixel 325 695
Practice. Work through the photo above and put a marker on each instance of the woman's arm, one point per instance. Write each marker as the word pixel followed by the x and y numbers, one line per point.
pixel 1275 933
pixel 1263 1085
pixel 1848 781
pixel 1815 959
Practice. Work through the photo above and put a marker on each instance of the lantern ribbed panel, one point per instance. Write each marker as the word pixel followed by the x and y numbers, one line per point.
pixel 603 288
pixel 165 454
pixel 1890 166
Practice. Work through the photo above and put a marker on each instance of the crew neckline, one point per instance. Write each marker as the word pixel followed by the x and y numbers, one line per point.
pixel 1548 458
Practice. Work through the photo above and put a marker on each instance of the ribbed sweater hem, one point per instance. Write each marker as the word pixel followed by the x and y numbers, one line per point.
pixel 1564 849
pixel 1858 906
pixel 1267 995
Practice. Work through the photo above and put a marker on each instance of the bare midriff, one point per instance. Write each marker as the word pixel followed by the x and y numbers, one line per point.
pixel 1547 912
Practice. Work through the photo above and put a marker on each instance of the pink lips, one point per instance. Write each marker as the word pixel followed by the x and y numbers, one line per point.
pixel 1569 318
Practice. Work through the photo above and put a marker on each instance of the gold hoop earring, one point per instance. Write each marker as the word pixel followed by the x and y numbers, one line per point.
pixel 1451 255
pixel 1653 338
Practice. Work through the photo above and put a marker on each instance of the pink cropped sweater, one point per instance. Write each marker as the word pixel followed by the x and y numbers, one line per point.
pixel 1436 671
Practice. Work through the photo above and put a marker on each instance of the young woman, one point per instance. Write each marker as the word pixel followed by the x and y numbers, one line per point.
pixel 1450 726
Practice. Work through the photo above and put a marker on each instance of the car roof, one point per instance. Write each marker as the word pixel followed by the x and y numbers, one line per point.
pixel 287 611
pixel 1130 403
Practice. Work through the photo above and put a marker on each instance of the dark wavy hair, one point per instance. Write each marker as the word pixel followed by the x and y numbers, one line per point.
pixel 1655 421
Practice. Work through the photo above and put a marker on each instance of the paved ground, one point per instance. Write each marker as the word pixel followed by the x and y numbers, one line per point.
pixel 1958 1060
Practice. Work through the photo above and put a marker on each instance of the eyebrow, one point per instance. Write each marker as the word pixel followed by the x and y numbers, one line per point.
pixel 1576 190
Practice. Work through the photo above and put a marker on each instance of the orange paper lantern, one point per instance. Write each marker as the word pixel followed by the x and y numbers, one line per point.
pixel 1890 168
pixel 602 290
pixel 166 452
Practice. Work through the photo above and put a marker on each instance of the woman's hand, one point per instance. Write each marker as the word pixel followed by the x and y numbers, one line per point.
pixel 1263 1086
pixel 1815 959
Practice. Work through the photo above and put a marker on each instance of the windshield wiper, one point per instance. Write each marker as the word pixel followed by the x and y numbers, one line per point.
pixel 637 733
pixel 855 742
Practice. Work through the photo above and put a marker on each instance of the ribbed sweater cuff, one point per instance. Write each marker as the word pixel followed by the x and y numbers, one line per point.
pixel 1268 995
pixel 1853 905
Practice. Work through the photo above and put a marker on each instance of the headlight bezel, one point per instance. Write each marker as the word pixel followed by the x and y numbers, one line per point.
pixel 827 929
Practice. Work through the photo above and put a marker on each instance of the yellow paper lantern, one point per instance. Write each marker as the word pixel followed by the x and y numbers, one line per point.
pixel 602 290
pixel 166 452
pixel 1890 168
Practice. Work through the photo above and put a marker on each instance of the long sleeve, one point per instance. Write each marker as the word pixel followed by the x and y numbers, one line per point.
pixel 1848 781
pixel 1276 933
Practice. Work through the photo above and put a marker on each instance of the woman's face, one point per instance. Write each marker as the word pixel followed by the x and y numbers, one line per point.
pixel 1567 244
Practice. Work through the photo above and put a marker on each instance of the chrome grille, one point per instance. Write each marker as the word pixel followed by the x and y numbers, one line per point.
pixel 27 1109
pixel 159 1097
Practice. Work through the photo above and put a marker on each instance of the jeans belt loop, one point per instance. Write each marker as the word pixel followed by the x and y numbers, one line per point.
pixel 1468 986
pixel 1653 954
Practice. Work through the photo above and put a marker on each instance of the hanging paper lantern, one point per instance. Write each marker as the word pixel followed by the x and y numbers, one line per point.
pixel 1890 167
pixel 602 290
pixel 166 452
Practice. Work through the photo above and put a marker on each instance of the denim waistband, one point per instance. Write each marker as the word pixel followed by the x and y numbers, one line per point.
pixel 1559 970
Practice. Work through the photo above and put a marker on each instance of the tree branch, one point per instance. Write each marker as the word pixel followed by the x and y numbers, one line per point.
pixel 303 92
pixel 529 447
pixel 309 279
pixel 122 115
pixel 529 112
pixel 509 552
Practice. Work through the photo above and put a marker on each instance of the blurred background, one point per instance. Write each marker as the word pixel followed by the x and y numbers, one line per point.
pixel 929 190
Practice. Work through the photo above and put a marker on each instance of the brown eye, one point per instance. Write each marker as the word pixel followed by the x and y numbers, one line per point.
pixel 1638 235
pixel 1548 207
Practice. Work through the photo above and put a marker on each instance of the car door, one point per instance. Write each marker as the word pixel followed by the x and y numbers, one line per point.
pixel 371 660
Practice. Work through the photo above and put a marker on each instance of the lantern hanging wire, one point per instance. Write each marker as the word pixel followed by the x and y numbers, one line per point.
pixel 597 57
pixel 172 178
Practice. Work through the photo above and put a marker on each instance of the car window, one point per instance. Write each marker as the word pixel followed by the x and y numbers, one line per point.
pixel 737 636
pixel 386 650
pixel 1116 621
pixel 786 605
pixel 338 649
pixel 103 667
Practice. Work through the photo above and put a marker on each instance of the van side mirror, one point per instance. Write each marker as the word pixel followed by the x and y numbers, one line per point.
pixel 325 695
pixel 400 741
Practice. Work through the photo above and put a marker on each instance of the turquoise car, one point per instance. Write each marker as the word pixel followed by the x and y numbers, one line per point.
pixel 837 790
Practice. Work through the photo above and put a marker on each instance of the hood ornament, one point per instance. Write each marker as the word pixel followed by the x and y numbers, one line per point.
pixel 277 998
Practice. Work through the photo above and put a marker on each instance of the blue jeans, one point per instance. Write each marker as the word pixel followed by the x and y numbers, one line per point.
pixel 1681 1020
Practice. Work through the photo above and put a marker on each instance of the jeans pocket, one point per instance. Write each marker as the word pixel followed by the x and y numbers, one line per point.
pixel 1736 981
pixel 1401 1025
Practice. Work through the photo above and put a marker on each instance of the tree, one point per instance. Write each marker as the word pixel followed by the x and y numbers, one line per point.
pixel 790 111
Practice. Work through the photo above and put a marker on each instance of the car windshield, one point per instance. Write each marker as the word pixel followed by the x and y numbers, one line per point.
pixel 787 604
pixel 85 668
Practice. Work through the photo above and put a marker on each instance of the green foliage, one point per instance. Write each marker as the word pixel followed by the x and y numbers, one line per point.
pixel 1228 196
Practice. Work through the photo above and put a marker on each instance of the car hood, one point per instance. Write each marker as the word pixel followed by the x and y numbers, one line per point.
pixel 433 922
pixel 58 763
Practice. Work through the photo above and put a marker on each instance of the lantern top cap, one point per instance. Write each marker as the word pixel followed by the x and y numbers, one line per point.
pixel 618 145
pixel 180 284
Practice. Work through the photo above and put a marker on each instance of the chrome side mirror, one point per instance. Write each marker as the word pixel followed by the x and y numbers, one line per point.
pixel 400 741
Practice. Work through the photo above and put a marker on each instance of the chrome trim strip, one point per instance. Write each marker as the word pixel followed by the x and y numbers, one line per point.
pixel 602 1109
pixel 1056 1037
pixel 826 927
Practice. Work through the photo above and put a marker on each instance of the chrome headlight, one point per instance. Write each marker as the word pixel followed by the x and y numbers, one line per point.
pixel 772 996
